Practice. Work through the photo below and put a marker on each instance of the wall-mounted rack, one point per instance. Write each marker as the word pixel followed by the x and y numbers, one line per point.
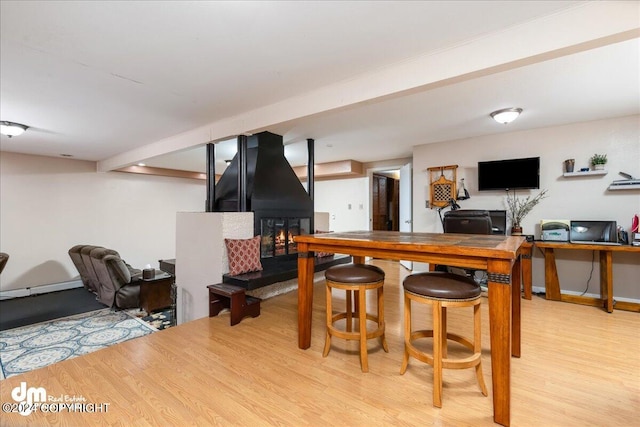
pixel 442 182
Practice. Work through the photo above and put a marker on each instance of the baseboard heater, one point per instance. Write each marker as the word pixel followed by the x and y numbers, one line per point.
pixel 44 289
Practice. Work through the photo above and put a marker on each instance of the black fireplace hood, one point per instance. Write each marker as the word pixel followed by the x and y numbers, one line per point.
pixel 272 185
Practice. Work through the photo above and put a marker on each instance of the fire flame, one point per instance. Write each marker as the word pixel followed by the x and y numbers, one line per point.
pixel 281 238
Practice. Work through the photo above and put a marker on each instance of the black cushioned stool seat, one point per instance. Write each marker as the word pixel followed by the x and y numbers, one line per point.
pixel 355 278
pixel 442 290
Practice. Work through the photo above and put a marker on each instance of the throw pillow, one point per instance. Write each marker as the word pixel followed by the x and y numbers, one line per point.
pixel 323 254
pixel 244 255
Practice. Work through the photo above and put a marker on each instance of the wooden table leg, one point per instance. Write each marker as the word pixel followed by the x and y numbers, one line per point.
pixel 526 270
pixel 551 282
pixel 516 305
pixel 500 311
pixel 606 279
pixel 305 295
pixel 357 259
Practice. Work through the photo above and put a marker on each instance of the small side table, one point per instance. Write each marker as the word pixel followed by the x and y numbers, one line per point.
pixel 159 292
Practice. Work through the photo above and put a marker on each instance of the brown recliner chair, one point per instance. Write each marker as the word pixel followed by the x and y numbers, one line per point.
pixel 99 278
pixel 84 267
pixel 117 286
pixel 3 260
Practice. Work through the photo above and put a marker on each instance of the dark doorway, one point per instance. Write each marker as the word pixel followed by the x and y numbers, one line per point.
pixel 386 207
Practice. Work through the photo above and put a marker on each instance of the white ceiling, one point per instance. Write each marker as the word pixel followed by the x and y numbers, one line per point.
pixel 106 81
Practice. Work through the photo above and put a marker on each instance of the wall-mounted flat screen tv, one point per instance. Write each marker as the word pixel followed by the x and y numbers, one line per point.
pixel 511 174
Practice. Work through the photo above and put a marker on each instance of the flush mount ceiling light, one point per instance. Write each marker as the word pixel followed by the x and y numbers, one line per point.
pixel 12 129
pixel 506 115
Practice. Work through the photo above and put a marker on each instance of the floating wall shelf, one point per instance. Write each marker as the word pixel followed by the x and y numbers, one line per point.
pixel 625 187
pixel 588 173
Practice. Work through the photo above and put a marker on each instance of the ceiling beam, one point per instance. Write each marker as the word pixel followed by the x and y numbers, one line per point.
pixel 322 171
pixel 332 170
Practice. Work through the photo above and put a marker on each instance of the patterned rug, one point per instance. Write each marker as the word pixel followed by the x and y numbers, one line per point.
pixel 160 320
pixel 35 346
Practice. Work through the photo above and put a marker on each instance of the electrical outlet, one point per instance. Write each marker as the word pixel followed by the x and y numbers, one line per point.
pixel 426 204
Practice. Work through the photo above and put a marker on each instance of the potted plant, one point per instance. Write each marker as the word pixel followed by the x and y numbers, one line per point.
pixel 598 161
pixel 519 208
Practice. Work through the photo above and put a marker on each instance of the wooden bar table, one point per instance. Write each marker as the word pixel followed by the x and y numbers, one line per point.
pixel 498 255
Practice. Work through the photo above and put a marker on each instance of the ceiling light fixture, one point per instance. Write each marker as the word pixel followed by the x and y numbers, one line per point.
pixel 12 129
pixel 506 115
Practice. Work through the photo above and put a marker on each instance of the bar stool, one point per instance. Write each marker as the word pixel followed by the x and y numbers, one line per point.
pixel 442 290
pixel 357 278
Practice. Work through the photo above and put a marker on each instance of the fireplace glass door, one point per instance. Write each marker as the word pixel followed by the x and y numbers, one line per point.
pixel 277 235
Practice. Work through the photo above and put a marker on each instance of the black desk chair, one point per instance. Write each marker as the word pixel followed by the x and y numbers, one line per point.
pixel 467 221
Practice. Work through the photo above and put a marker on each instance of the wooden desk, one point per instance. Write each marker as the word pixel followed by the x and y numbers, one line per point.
pixel 552 282
pixel 499 255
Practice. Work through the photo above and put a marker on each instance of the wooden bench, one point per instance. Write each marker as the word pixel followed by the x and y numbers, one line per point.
pixel 222 295
pixel 280 272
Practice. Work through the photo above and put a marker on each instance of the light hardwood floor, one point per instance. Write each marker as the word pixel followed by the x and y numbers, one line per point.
pixel 580 367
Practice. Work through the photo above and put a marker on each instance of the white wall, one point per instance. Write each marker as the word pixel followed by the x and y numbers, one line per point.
pixel 321 221
pixel 201 256
pixel 50 204
pixel 569 198
pixel 335 196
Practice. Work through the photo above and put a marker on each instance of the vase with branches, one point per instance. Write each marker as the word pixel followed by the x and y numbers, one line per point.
pixel 519 208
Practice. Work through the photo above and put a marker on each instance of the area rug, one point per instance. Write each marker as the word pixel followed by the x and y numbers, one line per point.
pixel 35 346
pixel 162 319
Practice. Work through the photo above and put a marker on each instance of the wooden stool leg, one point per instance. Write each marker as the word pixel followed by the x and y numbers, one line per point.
pixel 216 304
pixel 437 354
pixel 236 306
pixel 443 322
pixel 383 339
pixel 477 346
pixel 407 332
pixel 362 316
pixel 349 311
pixel 327 339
